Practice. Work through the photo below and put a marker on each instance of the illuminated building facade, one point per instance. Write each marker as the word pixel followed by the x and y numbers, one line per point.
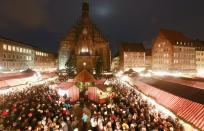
pixel 86 43
pixel 132 55
pixel 16 56
pixel 115 63
pixel 148 58
pixel 173 51
pixel 199 56
pixel 45 61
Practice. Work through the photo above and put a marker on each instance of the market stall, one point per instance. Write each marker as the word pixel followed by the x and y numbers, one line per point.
pixel 69 90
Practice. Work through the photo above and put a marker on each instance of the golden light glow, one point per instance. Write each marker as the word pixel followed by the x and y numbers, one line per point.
pixel 9 47
pixel 4 46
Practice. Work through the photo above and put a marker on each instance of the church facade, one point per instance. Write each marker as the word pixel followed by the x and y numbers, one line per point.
pixel 86 44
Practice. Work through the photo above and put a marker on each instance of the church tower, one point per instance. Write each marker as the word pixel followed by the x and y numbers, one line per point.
pixel 86 43
pixel 85 8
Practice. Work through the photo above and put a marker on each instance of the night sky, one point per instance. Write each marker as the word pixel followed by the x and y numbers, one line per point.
pixel 43 23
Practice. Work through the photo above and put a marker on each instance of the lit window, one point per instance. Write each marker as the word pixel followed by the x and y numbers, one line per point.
pixel 17 49
pixel 84 50
pixel 24 50
pixel 4 46
pixel 14 48
pixel 9 47
pixel 21 50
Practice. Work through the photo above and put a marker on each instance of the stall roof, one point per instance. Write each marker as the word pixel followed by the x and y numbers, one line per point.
pixel 187 110
pixel 65 85
pixel 84 76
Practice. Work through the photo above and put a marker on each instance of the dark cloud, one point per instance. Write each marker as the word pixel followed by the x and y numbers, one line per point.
pixel 30 14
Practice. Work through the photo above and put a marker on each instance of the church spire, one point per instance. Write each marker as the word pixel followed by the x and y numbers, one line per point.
pixel 85 8
pixel 85 1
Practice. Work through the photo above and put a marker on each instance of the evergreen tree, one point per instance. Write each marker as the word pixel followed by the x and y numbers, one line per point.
pixel 70 65
pixel 99 66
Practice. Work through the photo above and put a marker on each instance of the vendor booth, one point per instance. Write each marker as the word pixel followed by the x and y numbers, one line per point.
pixel 69 90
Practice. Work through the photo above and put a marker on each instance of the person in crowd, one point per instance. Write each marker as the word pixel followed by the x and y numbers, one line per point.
pixel 84 120
pixel 41 108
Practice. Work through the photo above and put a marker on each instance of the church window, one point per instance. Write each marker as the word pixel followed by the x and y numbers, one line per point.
pixel 84 50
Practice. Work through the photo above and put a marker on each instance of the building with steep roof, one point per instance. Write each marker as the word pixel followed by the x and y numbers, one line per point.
pixel 132 55
pixel 86 43
pixel 173 51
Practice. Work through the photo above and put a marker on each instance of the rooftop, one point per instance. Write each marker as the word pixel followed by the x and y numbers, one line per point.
pixel 20 43
pixel 174 36
pixel 133 47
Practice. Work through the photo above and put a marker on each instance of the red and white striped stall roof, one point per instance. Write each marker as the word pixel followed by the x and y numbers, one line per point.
pixel 13 79
pixel 65 85
pixel 3 84
pixel 187 110
pixel 15 76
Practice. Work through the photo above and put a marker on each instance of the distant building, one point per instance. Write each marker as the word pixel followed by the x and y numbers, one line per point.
pixel 132 55
pixel 173 51
pixel 148 58
pixel 115 63
pixel 86 44
pixel 45 61
pixel 199 55
pixel 20 56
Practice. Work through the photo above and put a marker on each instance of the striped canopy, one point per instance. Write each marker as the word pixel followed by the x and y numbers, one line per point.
pixel 187 110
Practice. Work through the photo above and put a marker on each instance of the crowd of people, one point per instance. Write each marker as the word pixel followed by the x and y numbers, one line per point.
pixel 37 109
pixel 128 111
pixel 41 108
